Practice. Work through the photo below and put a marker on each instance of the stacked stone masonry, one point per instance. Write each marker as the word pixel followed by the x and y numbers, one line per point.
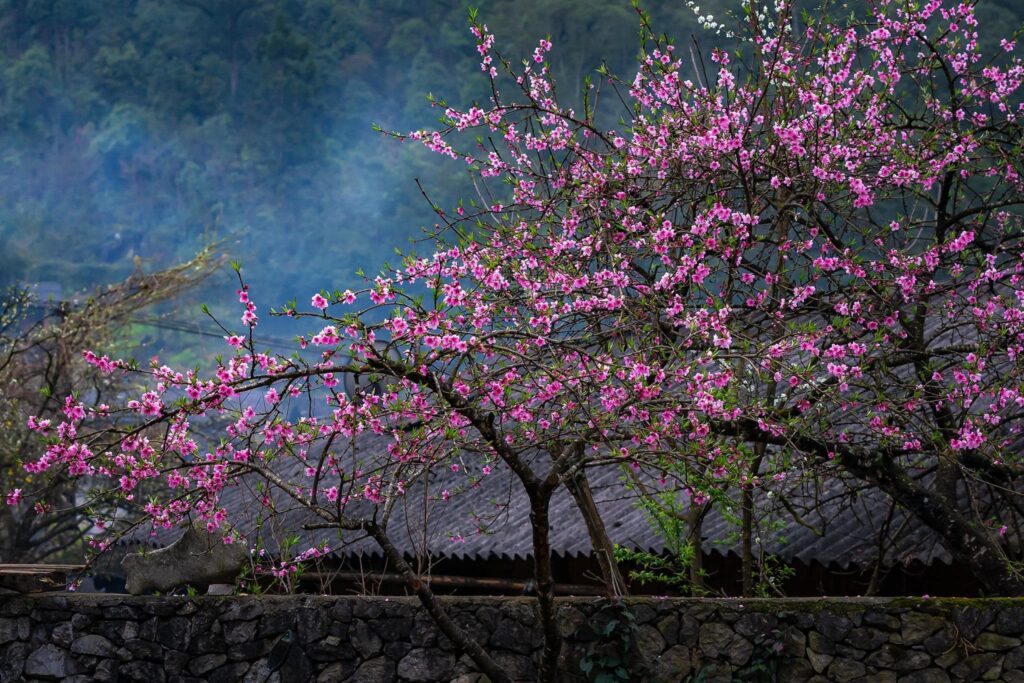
pixel 281 639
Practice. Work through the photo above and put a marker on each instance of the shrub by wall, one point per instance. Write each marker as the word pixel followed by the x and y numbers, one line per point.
pixel 305 638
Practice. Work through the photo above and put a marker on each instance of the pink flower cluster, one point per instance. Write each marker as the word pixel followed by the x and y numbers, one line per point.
pixel 766 259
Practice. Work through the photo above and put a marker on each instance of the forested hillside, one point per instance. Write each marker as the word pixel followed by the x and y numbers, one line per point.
pixel 140 129
pixel 133 128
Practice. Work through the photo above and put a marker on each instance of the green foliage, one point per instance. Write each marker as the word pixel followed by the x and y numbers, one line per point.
pixel 613 656
pixel 667 513
pixel 647 568
pixel 770 573
pixel 763 665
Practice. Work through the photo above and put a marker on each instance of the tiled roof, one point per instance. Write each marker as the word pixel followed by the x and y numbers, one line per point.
pixel 833 524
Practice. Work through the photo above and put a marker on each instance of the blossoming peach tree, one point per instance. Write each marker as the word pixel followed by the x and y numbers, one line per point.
pixel 806 263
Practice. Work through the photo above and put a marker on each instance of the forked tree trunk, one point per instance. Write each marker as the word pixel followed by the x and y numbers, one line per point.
pixel 965 538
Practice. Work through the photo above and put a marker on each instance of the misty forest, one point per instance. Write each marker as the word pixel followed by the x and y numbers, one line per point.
pixel 134 132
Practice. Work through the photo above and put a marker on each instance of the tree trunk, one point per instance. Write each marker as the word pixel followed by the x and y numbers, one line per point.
pixel 234 70
pixel 457 635
pixel 966 539
pixel 579 487
pixel 747 531
pixel 695 522
pixel 746 542
pixel 968 543
pixel 541 527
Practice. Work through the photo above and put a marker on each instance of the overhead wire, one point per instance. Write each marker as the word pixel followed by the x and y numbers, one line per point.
pixel 199 331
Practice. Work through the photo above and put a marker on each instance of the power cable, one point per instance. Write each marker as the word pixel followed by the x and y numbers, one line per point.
pixel 199 331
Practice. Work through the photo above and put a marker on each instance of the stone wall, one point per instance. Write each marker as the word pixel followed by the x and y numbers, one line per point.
pixel 305 638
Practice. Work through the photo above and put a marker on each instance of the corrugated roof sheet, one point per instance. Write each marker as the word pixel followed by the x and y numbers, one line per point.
pixel 836 523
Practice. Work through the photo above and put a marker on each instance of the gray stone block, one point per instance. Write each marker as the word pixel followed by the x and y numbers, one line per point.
pixel 196 559
pixel 424 666
pixel 49 662
pixel 94 645
pixel 378 670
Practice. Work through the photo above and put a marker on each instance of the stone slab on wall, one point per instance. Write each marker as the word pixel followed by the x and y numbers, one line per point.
pixel 268 639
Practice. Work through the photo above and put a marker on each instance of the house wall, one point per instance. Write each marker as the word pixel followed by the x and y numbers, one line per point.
pixel 80 637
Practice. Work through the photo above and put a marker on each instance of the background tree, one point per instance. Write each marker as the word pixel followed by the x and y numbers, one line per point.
pixel 40 362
